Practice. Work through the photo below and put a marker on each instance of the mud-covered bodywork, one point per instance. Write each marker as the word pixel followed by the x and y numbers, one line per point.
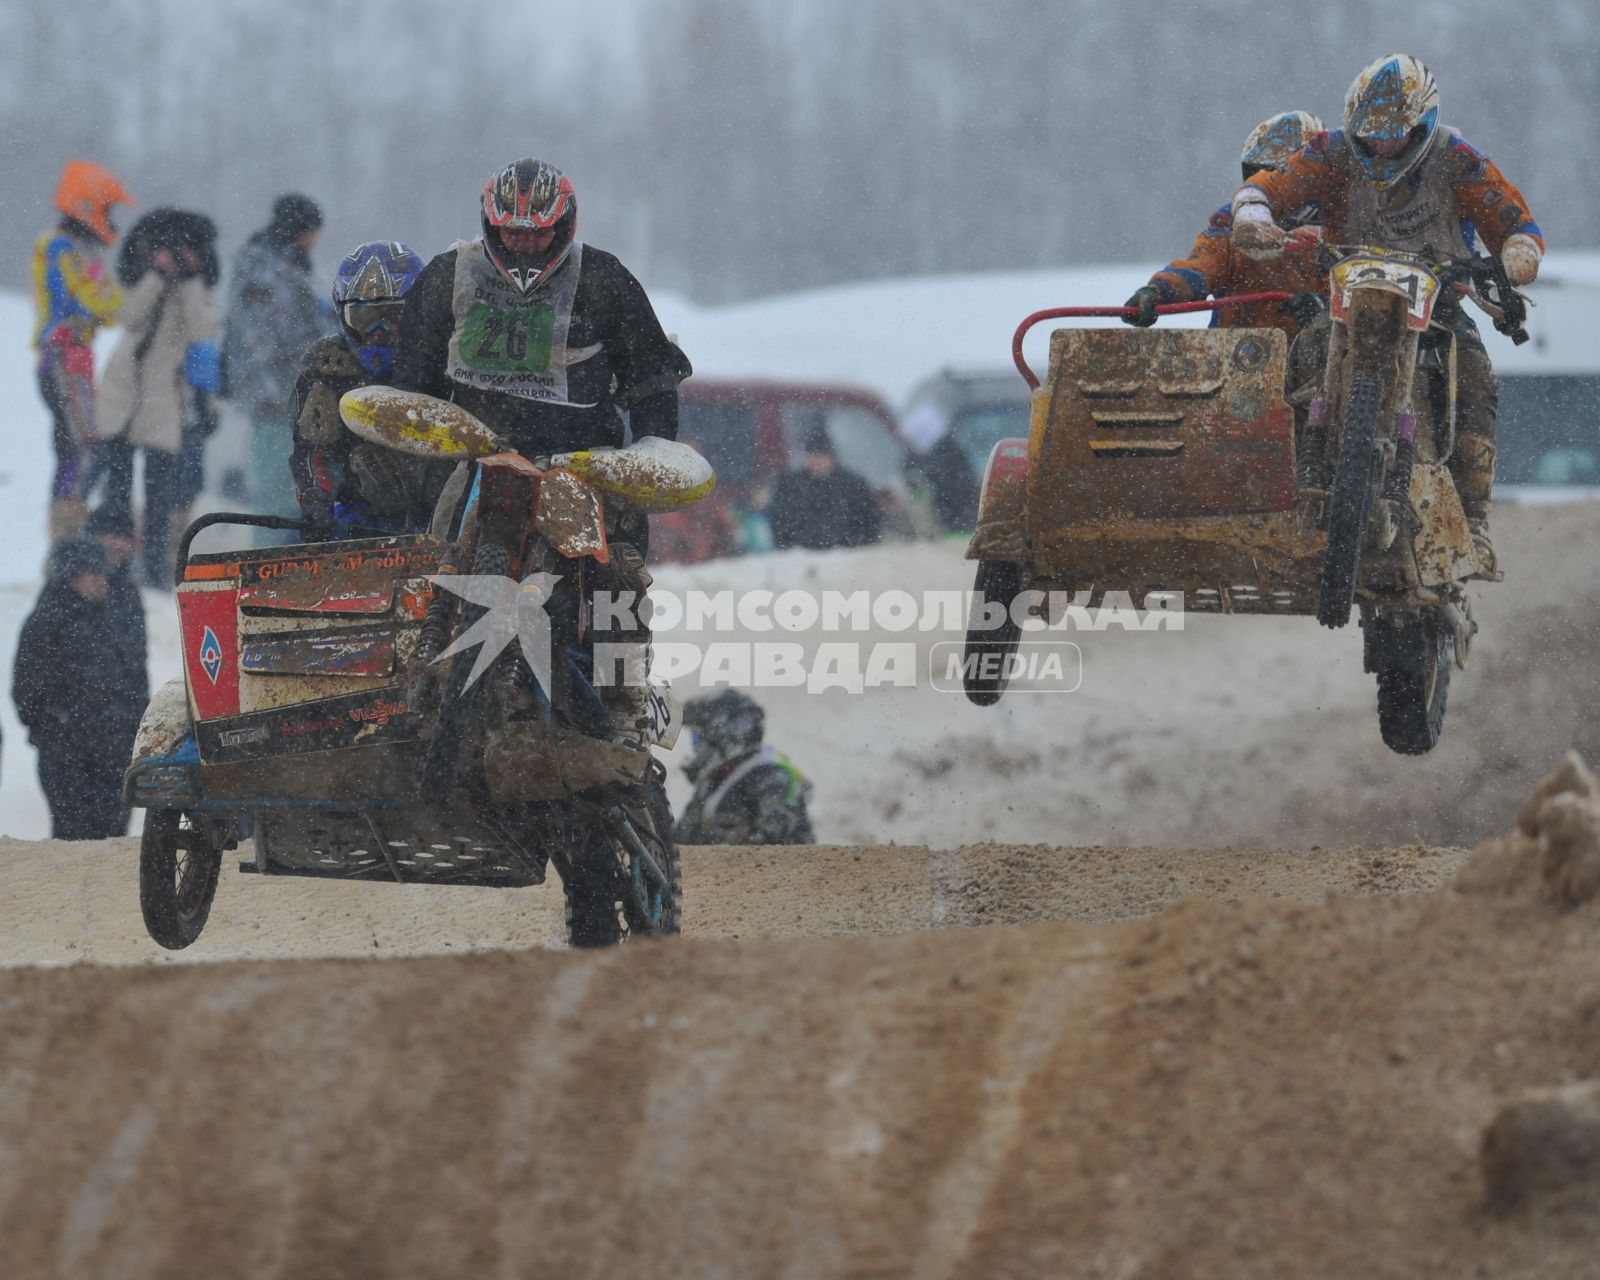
pixel 1164 461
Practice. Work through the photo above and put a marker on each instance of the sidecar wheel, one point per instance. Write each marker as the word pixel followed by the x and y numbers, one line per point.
pixel 179 863
pixel 989 649
pixel 1413 662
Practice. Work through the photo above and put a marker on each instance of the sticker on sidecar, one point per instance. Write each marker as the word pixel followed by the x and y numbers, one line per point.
pixel 354 720
pixel 335 582
pixel 209 623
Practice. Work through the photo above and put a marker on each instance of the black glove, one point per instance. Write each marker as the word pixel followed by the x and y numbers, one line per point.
pixel 1146 300
pixel 1305 309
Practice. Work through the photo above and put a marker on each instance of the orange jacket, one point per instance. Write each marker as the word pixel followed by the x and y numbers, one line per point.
pixel 1214 268
pixel 1324 169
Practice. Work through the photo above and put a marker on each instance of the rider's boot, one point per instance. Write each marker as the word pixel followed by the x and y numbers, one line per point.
pixel 1472 463
pixel 1472 469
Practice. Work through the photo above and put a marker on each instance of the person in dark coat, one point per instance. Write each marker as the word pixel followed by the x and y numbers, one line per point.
pixel 130 679
pixel 823 505
pixel 71 691
pixel 274 315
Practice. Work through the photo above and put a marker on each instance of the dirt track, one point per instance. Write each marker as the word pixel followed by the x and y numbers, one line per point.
pixel 67 904
pixel 1254 1089
pixel 1004 1059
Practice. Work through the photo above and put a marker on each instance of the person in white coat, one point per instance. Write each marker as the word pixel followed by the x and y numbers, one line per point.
pixel 166 354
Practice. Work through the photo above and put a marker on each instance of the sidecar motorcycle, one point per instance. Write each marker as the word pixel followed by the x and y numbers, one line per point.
pixel 326 716
pixel 1171 462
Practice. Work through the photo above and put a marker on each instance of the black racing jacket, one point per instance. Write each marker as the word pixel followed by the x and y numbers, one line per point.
pixel 637 367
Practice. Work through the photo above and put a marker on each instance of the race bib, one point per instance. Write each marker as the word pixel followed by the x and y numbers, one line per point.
pixel 503 341
pixel 508 341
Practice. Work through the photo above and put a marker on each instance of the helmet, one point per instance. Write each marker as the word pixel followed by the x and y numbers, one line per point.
pixel 86 193
pixel 723 727
pixel 368 290
pixel 1274 141
pixel 1391 117
pixel 529 195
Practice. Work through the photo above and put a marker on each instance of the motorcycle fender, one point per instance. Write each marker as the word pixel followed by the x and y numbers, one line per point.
pixel 165 723
pixel 1442 543
pixel 1001 527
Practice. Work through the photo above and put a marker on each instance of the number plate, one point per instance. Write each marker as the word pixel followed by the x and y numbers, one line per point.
pixel 1415 283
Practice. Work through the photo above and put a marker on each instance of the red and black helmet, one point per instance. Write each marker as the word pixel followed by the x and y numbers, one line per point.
pixel 529 195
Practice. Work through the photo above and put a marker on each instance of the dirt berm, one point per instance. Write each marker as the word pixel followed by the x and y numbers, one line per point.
pixel 1256 1088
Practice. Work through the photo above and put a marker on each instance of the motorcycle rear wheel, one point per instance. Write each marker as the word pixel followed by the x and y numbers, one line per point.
pixel 179 865
pixel 1413 661
pixel 1350 500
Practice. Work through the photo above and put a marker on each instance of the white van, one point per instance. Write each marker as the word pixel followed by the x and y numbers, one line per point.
pixel 1548 432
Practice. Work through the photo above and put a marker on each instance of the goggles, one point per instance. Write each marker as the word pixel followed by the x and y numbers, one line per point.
pixel 368 318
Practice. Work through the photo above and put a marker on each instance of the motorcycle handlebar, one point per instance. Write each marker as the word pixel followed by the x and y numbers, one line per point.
pixel 1486 278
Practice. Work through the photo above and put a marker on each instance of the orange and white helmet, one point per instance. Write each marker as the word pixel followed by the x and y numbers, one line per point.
pixel 1275 141
pixel 86 193
pixel 1391 117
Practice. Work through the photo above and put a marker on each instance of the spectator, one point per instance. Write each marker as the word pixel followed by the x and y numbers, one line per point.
pixel 744 793
pixel 129 676
pixel 822 505
pixel 274 315
pixel 68 693
pixel 166 356
pixel 74 297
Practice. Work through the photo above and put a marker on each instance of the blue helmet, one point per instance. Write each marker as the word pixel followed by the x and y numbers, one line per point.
pixel 368 294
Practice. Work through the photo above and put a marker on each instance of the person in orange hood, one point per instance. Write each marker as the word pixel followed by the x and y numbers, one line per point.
pixel 74 295
pixel 1217 268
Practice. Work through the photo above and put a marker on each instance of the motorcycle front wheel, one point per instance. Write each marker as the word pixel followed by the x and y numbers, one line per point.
pixel 1350 500
pixel 621 878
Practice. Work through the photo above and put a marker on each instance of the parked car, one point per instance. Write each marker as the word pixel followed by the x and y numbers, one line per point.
pixel 951 424
pixel 752 431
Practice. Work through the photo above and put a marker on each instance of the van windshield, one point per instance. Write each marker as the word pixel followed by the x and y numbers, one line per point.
pixel 1548 431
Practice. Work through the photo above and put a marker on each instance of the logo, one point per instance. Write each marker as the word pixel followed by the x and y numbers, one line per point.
pixel 210 654
pixel 243 737
pixel 515 613
pixel 1249 355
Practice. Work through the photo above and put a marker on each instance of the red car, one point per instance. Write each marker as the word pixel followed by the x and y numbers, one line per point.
pixel 752 432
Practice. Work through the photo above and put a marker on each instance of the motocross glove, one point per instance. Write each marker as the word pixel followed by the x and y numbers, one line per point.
pixel 1521 255
pixel 1305 309
pixel 1144 301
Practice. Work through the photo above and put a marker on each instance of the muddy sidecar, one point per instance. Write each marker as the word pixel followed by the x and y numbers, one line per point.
pixel 293 723
pixel 1164 463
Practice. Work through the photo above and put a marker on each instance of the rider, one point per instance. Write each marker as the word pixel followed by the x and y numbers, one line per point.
pixel 1217 268
pixel 546 340
pixel 744 793
pixel 1395 177
pixel 543 338
pixel 75 296
pixel 340 480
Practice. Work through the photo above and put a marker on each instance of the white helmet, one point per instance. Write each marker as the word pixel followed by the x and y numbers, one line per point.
pixel 1391 117
pixel 1275 141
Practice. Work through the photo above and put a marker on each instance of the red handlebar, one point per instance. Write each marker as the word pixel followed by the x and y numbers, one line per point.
pixel 1167 309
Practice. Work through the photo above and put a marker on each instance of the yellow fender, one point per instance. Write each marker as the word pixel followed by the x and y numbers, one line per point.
pixel 651 475
pixel 421 425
